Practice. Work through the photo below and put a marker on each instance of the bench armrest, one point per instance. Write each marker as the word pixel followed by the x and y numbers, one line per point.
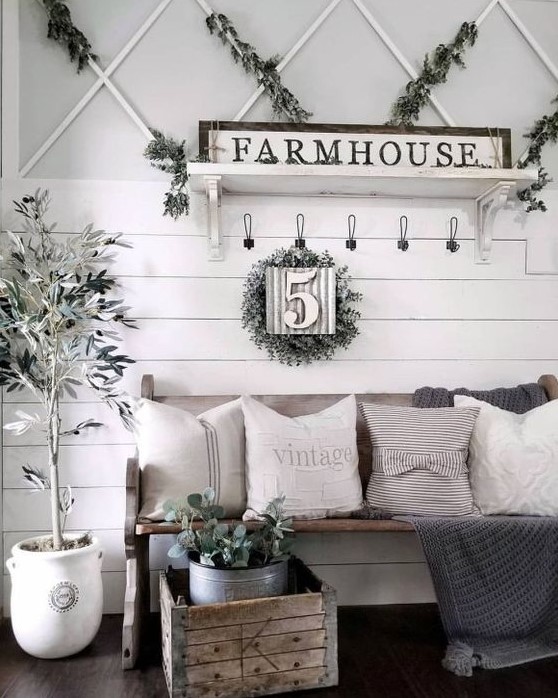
pixel 550 385
pixel 133 498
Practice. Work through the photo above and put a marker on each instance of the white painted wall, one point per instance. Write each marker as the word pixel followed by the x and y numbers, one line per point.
pixel 429 317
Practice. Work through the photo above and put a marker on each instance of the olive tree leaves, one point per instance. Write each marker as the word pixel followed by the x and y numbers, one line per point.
pixel 58 331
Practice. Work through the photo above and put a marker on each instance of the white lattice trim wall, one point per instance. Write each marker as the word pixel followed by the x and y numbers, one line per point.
pixel 11 93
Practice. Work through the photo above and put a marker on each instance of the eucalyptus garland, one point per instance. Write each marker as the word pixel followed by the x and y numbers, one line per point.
pixel 169 156
pixel 284 103
pixel 545 130
pixel 62 30
pixel 298 349
pixel 435 71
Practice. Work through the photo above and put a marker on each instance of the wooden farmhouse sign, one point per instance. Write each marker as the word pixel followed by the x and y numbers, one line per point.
pixel 349 144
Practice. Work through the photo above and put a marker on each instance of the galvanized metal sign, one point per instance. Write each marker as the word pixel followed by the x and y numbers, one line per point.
pixel 300 300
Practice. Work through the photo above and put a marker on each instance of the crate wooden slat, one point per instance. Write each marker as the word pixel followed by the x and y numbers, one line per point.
pixel 249 648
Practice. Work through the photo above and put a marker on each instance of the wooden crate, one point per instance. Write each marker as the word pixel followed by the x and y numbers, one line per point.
pixel 249 648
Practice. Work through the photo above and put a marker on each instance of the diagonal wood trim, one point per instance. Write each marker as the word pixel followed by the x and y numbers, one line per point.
pixel 530 39
pixel 390 45
pixel 62 126
pixel 484 14
pixel 137 36
pixel 122 101
pixel 289 56
pixel 103 79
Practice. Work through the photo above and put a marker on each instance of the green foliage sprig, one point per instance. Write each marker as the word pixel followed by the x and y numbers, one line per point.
pixel 57 331
pixel 283 101
pixel 169 156
pixel 62 30
pixel 222 545
pixel 299 348
pixel 545 130
pixel 435 71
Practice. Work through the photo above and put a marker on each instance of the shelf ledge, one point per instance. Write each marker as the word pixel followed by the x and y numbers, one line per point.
pixel 490 188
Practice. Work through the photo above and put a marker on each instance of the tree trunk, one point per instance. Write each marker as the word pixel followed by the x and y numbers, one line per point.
pixel 53 444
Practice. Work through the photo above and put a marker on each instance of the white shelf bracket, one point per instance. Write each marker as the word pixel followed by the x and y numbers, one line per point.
pixel 487 206
pixel 214 233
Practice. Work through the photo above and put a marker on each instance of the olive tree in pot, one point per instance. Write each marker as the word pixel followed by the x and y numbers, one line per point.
pixel 227 562
pixel 57 333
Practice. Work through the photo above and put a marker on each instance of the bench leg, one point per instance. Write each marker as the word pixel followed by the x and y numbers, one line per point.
pixel 136 601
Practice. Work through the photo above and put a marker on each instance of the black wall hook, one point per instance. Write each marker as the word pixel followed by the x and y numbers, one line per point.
pixel 451 244
pixel 300 242
pixel 248 242
pixel 403 243
pixel 350 243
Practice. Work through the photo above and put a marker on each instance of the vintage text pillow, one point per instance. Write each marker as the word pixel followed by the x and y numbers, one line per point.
pixel 180 454
pixel 312 459
pixel 513 459
pixel 419 459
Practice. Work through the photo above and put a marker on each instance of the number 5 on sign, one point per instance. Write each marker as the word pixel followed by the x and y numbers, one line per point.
pixel 300 300
pixel 310 305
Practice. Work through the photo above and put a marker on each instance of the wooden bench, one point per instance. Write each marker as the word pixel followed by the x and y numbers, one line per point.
pixel 137 532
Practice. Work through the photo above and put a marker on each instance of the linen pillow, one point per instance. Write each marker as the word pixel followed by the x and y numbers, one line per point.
pixel 312 459
pixel 513 459
pixel 419 459
pixel 180 454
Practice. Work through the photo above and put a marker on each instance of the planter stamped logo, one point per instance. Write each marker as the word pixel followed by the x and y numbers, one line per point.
pixel 63 596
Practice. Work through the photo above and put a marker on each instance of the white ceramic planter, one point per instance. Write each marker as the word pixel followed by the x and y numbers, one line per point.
pixel 57 599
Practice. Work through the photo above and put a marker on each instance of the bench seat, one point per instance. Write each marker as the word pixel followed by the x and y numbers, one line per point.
pixel 336 525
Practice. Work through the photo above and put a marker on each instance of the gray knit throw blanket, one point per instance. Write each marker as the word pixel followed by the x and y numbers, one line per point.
pixel 496 580
pixel 519 400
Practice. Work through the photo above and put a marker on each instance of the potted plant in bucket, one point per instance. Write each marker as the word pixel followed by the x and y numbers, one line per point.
pixel 226 562
pixel 57 318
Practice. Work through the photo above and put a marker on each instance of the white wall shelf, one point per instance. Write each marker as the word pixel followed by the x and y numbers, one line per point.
pixel 489 188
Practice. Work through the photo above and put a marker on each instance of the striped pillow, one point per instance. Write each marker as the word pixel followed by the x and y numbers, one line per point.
pixel 419 459
pixel 180 454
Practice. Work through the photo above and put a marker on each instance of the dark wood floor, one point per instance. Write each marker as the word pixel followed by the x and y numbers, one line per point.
pixel 384 652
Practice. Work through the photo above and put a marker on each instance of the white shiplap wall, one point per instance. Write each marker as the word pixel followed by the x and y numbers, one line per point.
pixel 429 317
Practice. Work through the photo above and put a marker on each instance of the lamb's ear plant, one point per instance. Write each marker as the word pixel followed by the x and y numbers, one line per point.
pixel 57 333
pixel 228 545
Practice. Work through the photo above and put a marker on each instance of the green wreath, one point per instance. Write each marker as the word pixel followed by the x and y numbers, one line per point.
pixel 298 349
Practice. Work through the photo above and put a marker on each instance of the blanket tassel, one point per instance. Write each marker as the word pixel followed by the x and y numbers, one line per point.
pixel 460 659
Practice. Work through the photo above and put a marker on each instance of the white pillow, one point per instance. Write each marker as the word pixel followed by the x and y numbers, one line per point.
pixel 180 454
pixel 312 459
pixel 513 459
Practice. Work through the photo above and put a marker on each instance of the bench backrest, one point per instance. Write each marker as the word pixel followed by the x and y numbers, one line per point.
pixel 297 405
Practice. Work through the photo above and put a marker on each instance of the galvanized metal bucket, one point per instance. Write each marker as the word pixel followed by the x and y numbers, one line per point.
pixel 214 585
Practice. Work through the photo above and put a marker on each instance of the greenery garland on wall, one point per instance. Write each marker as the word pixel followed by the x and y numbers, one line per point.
pixel 545 130
pixel 62 30
pixel 169 156
pixel 435 71
pixel 298 349
pixel 284 103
